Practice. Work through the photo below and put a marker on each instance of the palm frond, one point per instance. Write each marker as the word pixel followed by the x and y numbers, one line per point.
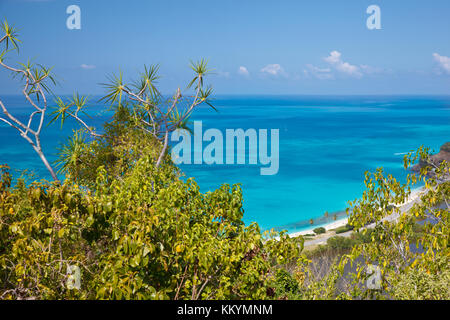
pixel 205 96
pixel 200 69
pixel 60 111
pixel 114 88
pixel 69 154
pixel 11 35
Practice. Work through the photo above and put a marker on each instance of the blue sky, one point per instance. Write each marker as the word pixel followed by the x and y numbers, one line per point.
pixel 256 47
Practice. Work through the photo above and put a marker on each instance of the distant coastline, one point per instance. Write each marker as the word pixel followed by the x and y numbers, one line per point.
pixel 414 197
pixel 436 159
pixel 343 220
pixel 321 221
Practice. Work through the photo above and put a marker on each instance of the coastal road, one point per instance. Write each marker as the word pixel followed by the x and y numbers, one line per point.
pixel 404 208
pixel 323 240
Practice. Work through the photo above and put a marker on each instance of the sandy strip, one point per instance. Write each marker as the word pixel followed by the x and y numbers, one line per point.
pixel 413 197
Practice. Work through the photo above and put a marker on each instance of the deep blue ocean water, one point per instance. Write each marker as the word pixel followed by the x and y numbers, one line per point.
pixel 326 145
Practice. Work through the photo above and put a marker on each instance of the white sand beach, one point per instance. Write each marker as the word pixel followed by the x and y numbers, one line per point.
pixel 413 198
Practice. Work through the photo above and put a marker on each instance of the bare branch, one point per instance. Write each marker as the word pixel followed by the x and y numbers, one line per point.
pixel 163 151
pixel 23 129
pixel 76 117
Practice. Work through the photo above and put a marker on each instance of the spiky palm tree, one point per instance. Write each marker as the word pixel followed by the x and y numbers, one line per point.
pixel 69 155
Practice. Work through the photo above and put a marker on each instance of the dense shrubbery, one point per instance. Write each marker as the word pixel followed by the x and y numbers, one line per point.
pixel 398 246
pixel 340 245
pixel 343 229
pixel 123 215
pixel 136 232
pixel 319 230
pixel 423 284
pixel 286 286
pixel 340 242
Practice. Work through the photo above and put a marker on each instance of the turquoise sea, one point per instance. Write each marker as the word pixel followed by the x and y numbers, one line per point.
pixel 326 145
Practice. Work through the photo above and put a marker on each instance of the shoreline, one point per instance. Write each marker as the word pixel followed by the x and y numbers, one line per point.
pixel 413 197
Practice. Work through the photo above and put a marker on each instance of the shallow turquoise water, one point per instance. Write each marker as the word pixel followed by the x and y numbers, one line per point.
pixel 326 145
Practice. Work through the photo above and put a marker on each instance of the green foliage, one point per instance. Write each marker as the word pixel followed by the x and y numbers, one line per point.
pixel 343 229
pixel 63 109
pixel 70 154
pixel 116 151
pixel 423 285
pixel 286 287
pixel 201 69
pixel 147 83
pixel 340 242
pixel 134 230
pixel 319 230
pixel 133 243
pixel 395 237
pixel 10 35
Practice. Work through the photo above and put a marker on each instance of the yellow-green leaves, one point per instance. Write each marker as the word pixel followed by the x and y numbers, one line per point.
pixel 404 243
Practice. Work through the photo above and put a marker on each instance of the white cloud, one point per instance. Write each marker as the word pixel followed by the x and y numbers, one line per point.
pixel 443 61
pixel 337 66
pixel 334 57
pixel 243 71
pixel 335 60
pixel 87 66
pixel 273 69
pixel 319 73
